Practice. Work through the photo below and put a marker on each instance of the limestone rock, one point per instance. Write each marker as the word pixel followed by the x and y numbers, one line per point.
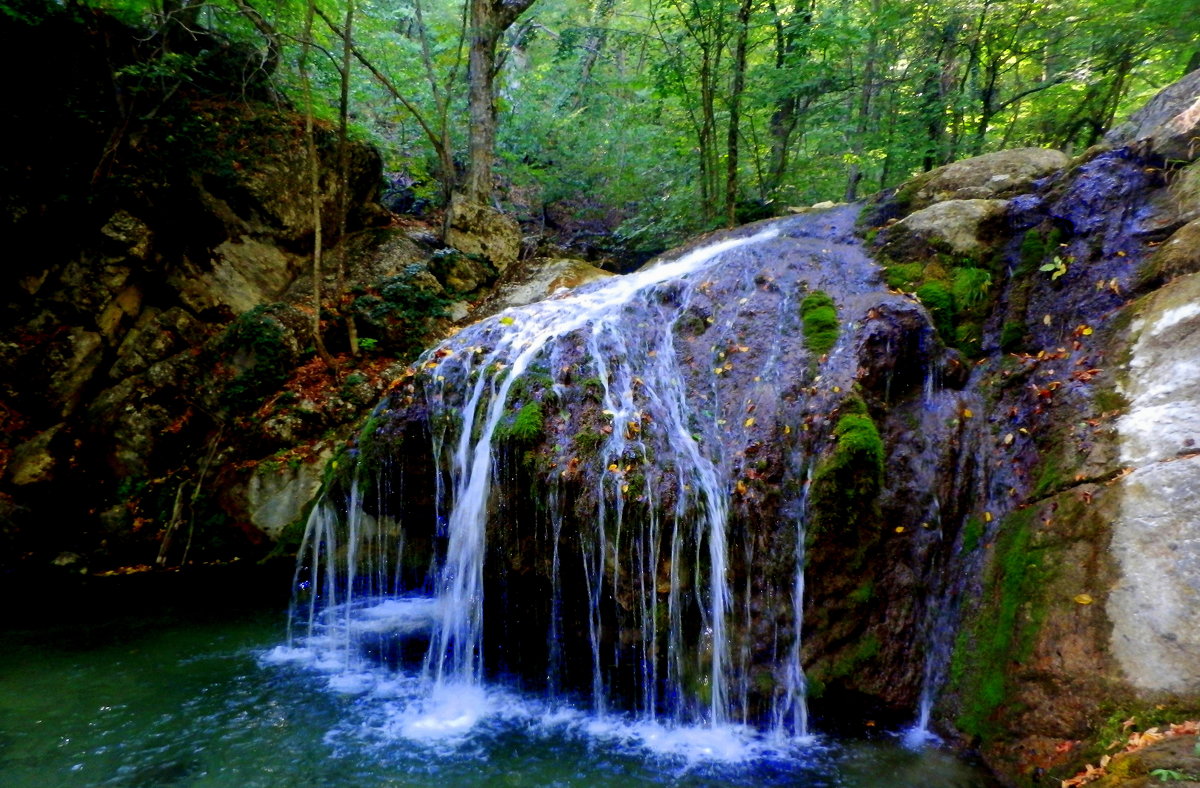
pixel 533 280
pixel 76 360
pixel 128 235
pixel 964 227
pixel 482 230
pixel 33 461
pixel 1178 256
pixel 241 275
pixel 1001 174
pixel 1155 608
pixel 1163 384
pixel 1169 125
pixel 276 497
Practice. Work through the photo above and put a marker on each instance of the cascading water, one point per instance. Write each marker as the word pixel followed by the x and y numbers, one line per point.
pixel 605 495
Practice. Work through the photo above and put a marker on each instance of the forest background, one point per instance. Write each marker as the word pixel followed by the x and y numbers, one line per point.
pixel 655 119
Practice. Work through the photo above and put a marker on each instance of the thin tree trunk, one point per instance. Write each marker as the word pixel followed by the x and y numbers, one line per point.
pixel 314 173
pixel 344 177
pixel 735 100
pixel 489 19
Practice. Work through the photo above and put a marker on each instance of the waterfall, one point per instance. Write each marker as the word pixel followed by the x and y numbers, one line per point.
pixel 604 495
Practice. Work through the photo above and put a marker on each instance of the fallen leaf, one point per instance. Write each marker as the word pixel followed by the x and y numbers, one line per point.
pixel 1083 599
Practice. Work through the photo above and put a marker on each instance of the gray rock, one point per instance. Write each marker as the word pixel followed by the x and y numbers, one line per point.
pixel 1155 608
pixel 32 461
pixel 241 275
pixel 1163 384
pixel 484 231
pixel 1169 125
pixel 533 280
pixel 957 226
pixel 276 497
pixel 1001 174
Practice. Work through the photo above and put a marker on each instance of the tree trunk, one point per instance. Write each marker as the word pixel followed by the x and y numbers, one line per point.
pixel 489 19
pixel 735 101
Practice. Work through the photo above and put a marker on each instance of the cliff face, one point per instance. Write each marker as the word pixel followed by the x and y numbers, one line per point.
pixel 159 395
pixel 1086 608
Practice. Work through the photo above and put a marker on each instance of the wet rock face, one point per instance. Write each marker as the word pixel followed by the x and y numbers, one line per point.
pixel 632 432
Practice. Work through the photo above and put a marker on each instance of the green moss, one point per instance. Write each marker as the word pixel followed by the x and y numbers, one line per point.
pixel 1001 634
pixel 846 482
pixel 819 315
pixel 939 300
pixel 905 276
pixel 1012 336
pixel 862 594
pixel 1110 401
pixel 526 427
pixel 972 534
pixel 970 287
pixel 851 662
pixel 1051 475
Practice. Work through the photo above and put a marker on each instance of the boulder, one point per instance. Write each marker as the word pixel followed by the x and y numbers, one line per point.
pixel 994 175
pixel 1178 256
pixel 278 496
pixel 241 275
pixel 1155 606
pixel 482 230
pixel 963 227
pixel 32 461
pixel 1163 381
pixel 533 280
pixel 1169 125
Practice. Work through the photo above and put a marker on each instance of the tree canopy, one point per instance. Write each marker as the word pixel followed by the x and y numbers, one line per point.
pixel 662 117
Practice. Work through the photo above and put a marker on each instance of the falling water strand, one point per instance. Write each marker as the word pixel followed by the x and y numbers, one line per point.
pixel 455 651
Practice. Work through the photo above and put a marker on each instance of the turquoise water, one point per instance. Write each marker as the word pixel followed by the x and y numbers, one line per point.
pixel 199 701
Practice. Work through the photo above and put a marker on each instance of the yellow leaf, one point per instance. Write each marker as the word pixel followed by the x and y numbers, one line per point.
pixel 740 487
pixel 1008 439
pixel 899 529
pixel 507 321
pixel 1084 599
pixel 1087 331
pixel 787 430
pixel 614 468
pixel 987 517
pixel 967 413
pixel 748 422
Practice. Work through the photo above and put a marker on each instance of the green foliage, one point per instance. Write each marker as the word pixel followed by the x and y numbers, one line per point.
pixel 1057 267
pixel 819 316
pixel 404 312
pixel 1170 775
pixel 255 344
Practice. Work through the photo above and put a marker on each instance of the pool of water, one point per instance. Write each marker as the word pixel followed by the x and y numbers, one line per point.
pixel 198 700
